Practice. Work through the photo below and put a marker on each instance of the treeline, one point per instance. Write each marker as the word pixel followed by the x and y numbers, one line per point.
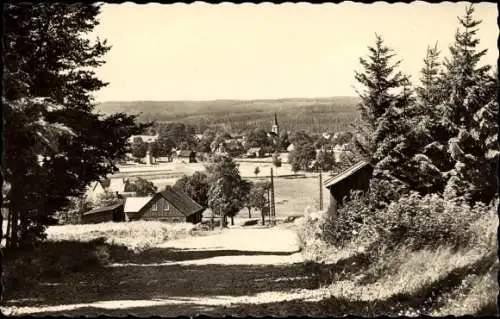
pixel 320 115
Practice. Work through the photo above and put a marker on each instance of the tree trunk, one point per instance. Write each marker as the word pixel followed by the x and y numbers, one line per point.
pixel 14 228
pixel 249 212
pixel 263 217
pixel 222 221
pixel 232 220
pixel 7 233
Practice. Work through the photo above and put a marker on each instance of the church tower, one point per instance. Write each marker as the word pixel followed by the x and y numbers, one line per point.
pixel 276 128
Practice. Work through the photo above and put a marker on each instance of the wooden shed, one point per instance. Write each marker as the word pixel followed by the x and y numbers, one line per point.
pixel 357 177
pixel 113 213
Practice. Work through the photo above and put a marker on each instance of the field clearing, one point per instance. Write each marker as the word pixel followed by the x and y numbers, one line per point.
pixel 293 193
pixel 246 167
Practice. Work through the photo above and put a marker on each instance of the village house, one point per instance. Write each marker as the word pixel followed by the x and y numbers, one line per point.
pixel 198 137
pixel 355 178
pixel 171 205
pixel 340 152
pixel 144 138
pixel 255 152
pixel 94 191
pixel 290 148
pixel 184 156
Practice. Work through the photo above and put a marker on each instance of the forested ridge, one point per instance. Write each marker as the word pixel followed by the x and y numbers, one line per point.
pixel 315 115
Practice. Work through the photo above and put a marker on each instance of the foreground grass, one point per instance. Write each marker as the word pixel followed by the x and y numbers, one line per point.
pixel 73 249
pixel 135 235
pixel 374 280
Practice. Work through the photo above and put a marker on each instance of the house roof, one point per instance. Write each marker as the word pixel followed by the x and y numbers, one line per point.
pixel 135 204
pixel 181 201
pixel 144 138
pixel 328 182
pixel 103 209
pixel 254 149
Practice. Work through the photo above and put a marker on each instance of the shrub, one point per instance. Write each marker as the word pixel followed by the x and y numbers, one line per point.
pixel 428 221
pixel 414 221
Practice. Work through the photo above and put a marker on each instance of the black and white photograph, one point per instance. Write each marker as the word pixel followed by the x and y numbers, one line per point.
pixel 264 159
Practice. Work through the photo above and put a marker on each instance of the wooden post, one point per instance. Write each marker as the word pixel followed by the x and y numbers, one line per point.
pixel 320 191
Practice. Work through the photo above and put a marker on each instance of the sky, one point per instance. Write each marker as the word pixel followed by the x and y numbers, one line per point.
pixel 203 51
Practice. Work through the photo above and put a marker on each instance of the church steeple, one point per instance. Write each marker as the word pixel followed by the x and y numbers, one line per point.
pixel 276 128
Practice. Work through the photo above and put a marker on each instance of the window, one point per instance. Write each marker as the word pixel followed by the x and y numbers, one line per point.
pixel 154 208
pixel 166 206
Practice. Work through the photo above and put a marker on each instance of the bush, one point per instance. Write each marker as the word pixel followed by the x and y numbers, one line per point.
pixel 413 221
pixel 429 221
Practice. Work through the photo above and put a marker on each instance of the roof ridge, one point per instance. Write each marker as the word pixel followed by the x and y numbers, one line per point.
pixel 180 193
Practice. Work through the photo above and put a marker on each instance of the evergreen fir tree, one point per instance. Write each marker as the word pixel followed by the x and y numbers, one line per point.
pixel 468 115
pixel 379 78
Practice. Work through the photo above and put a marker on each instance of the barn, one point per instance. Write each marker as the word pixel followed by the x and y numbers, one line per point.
pixel 357 177
pixel 113 213
pixel 171 205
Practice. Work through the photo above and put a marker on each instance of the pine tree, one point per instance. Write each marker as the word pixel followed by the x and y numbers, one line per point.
pixel 468 116
pixel 380 78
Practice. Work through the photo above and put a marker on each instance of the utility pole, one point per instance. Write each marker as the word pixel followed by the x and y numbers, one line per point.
pixel 269 203
pixel 273 211
pixel 320 190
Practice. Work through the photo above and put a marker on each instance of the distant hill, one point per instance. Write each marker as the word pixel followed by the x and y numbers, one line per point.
pixel 314 115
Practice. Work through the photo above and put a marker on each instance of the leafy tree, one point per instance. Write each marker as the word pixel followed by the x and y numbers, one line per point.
pixel 325 161
pixel 139 149
pixel 258 138
pixel 301 137
pixel 235 149
pixel 141 187
pixel 276 161
pixel 155 149
pixel 302 157
pixel 224 194
pixel 284 141
pixel 243 191
pixel 164 146
pixel 54 144
pixel 180 134
pixel 257 199
pixel 342 137
pixel 196 186
pixel 256 171
pixel 204 145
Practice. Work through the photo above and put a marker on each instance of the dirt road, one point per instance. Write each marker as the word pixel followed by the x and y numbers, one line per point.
pixel 239 268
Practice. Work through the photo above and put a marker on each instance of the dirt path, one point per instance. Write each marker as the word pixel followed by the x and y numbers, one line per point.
pixel 236 269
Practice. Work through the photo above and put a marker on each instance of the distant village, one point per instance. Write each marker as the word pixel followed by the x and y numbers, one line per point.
pixel 118 198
